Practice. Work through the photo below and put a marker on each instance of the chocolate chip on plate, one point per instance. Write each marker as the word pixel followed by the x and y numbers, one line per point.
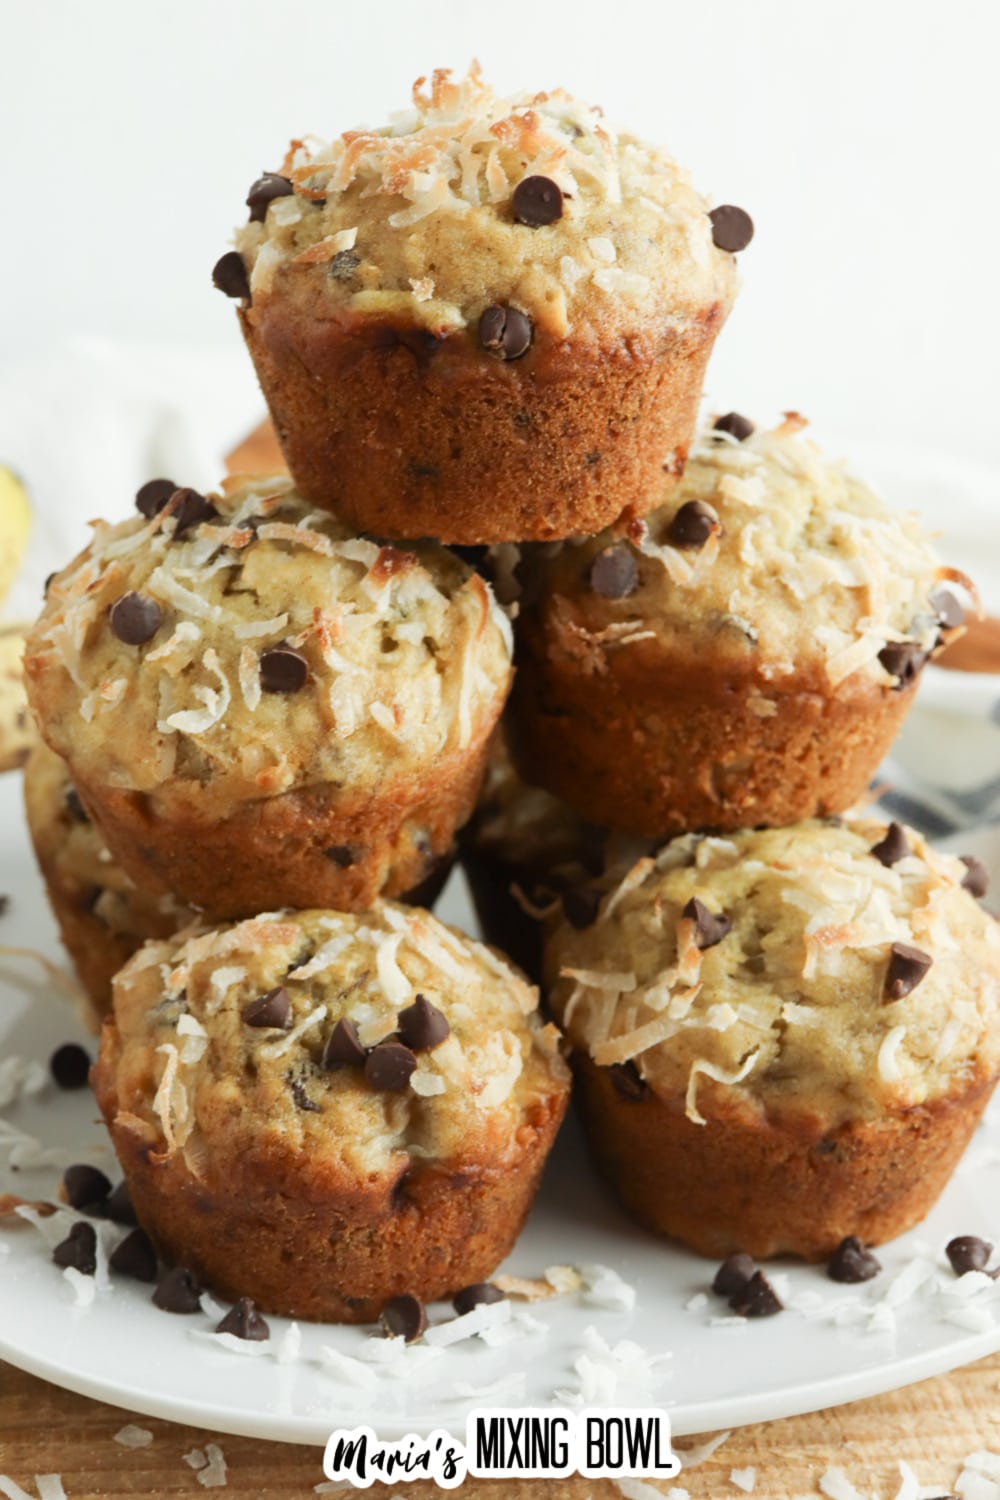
pixel 735 1273
pixel 967 1252
pixel 757 1299
pixel 852 1261
pixel 948 608
pixel 907 967
pixel 505 332
pixel 893 847
pixel 342 855
pixel 732 227
pixel 135 618
pixel 343 1049
pixel 119 1206
pixel 135 1257
pixel 976 879
pixel 269 185
pixel 614 573
pixel 737 426
pixel 693 524
pixel 243 1321
pixel 404 1317
pixel 902 660
pixel 70 1066
pixel 190 509
pixel 178 1291
pixel 580 905
pixel 85 1186
pixel 389 1067
pixel 271 1010
pixel 476 1295
pixel 229 275
pixel 422 1026
pixel 151 497
pixel 709 927
pixel 537 201
pixel 283 670
pixel 627 1081
pixel 78 1250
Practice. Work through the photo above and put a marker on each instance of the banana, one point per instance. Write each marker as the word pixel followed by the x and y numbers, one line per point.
pixel 15 523
pixel 17 729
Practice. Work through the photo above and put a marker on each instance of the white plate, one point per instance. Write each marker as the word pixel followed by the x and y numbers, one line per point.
pixel 122 1349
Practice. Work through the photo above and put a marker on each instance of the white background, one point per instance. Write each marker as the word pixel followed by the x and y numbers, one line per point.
pixel 862 135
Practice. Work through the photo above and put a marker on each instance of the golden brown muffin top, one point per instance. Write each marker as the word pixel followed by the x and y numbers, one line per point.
pixel 428 218
pixel 253 643
pixel 355 1039
pixel 834 969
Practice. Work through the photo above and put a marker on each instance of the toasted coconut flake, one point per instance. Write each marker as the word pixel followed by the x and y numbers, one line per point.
pixel 720 1075
pixel 603 979
pixel 282 1045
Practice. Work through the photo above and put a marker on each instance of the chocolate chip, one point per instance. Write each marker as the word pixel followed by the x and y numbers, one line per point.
pixel 119 1206
pixel 614 573
pixel 85 1186
pixel 734 1275
pixel 404 1317
pixel 243 1321
pixel 732 228
pixel 179 1291
pixel 343 855
pixel 948 608
pixel 627 1081
pixel 152 496
pixel 537 201
pixel 709 928
pixel 272 1010
pixel 264 191
pixel 737 426
pixel 757 1299
pixel 74 806
pixel 479 1294
pixel 976 879
pixel 907 967
pixel 421 1025
pixel 302 1099
pixel 580 905
pixel 229 275
pixel 78 1250
pixel 70 1066
pixel 505 332
pixel 893 847
pixel 343 1049
pixel 190 509
pixel 343 265
pixel 389 1067
pixel 902 660
pixel 967 1252
pixel 693 524
pixel 135 1257
pixel 283 670
pixel 135 618
pixel 852 1261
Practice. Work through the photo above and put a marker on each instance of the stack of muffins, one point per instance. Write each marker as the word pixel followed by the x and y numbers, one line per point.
pixel 482 333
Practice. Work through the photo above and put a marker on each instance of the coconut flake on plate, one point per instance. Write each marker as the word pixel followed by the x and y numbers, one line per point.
pixel 468 1325
pixel 20 1078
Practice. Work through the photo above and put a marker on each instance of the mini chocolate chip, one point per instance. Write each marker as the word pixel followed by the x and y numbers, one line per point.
pixel 614 573
pixel 389 1067
pixel 78 1250
pixel 505 332
pixel 272 1010
pixel 537 201
pixel 757 1299
pixel 135 1257
pixel 343 1049
pixel 948 608
pixel 421 1025
pixel 893 847
pixel 179 1291
pixel 74 806
pixel 734 1275
pixel 693 524
pixel 736 425
pixel 119 1206
pixel 70 1066
pixel 190 510
pixel 135 618
pixel 302 1099
pixel 243 1321
pixel 627 1081
pixel 976 879
pixel 903 660
pixel 852 1261
pixel 343 265
pixel 152 496
pixel 967 1252
pixel 709 927
pixel 732 228
pixel 84 1184
pixel 343 855
pixel 404 1317
pixel 580 905
pixel 477 1295
pixel 283 670
pixel 264 191
pixel 907 967
pixel 229 275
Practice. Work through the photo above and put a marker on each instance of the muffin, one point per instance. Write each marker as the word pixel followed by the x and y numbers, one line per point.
pixel 488 320
pixel 321 1111
pixel 259 707
pixel 103 917
pixel 743 657
pixel 785 1036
